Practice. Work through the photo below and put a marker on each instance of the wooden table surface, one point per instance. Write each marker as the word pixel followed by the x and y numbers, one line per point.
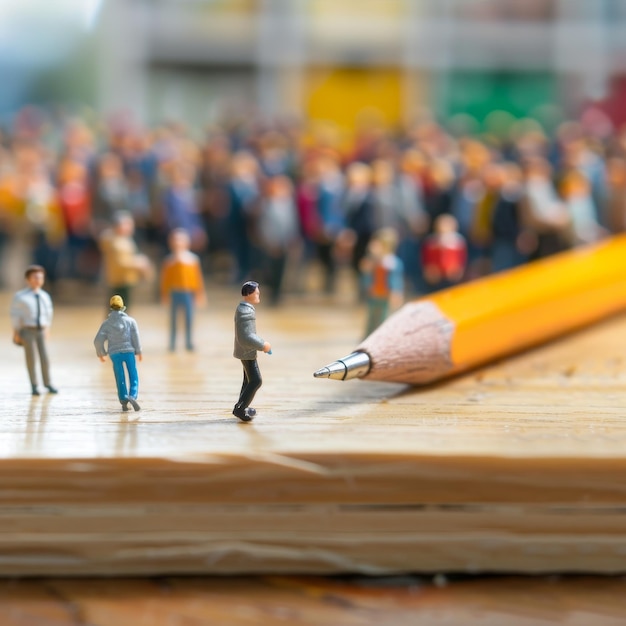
pixel 561 401
pixel 559 406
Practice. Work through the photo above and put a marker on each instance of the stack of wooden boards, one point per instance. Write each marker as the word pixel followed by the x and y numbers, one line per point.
pixel 519 466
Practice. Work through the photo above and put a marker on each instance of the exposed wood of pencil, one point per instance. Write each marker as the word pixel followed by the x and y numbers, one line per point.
pixel 519 466
pixel 465 326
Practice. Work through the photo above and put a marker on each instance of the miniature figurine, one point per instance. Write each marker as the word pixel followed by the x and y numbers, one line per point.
pixel 123 265
pixel 382 273
pixel 444 254
pixel 577 194
pixel 31 317
pixel 121 334
pixel 181 204
pixel 278 232
pixel 359 208
pixel 247 343
pixel 182 284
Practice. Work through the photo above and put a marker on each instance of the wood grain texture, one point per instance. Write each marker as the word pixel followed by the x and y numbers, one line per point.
pixel 314 601
pixel 519 466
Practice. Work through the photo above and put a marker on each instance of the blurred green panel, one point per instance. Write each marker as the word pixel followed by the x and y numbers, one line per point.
pixel 521 94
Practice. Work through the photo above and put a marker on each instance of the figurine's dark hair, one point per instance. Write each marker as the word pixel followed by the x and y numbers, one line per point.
pixel 32 269
pixel 249 287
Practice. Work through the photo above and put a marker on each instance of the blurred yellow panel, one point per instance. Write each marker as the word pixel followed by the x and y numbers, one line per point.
pixel 349 97
pixel 229 7
pixel 370 8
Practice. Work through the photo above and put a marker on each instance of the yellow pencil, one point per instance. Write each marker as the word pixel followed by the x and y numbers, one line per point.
pixel 462 327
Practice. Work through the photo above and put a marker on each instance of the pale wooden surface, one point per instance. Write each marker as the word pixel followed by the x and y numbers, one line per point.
pixel 564 400
pixel 518 466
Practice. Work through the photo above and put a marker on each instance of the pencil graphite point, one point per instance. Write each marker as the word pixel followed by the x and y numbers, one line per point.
pixel 354 365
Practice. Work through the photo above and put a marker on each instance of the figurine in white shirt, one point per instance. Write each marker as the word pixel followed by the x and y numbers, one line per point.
pixel 31 317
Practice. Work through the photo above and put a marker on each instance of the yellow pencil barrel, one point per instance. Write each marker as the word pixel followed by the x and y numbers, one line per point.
pixel 510 311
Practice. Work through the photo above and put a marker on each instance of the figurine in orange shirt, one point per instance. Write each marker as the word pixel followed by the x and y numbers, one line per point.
pixel 182 284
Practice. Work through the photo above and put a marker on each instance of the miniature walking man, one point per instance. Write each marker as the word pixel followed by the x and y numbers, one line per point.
pixel 121 334
pixel 182 285
pixel 31 317
pixel 247 344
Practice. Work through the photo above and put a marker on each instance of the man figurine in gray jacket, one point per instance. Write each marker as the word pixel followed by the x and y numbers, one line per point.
pixel 247 344
pixel 122 336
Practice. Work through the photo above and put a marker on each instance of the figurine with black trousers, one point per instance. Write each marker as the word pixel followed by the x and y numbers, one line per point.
pixel 247 344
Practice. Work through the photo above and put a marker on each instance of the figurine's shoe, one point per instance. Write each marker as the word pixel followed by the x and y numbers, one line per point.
pixel 124 406
pixel 52 389
pixel 242 414
pixel 35 391
pixel 134 403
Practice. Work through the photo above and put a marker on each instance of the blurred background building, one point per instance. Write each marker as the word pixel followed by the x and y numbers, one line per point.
pixel 282 135
pixel 323 59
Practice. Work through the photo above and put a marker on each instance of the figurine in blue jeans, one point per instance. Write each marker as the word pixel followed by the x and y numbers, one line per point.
pixel 121 334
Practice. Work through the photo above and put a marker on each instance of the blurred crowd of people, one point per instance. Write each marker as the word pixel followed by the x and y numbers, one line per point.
pixel 272 197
